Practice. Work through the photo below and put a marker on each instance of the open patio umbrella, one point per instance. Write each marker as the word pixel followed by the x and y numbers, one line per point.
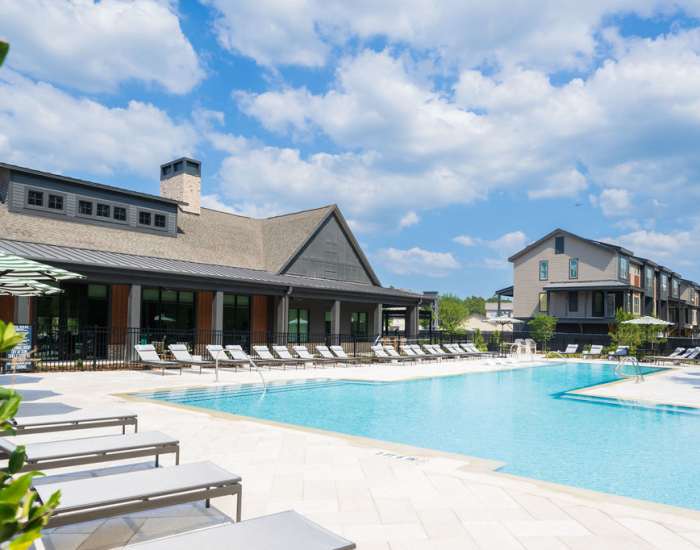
pixel 21 269
pixel 647 321
pixel 19 287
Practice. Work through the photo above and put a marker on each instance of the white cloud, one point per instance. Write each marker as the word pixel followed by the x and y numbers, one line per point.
pixel 615 202
pixel 563 184
pixel 536 33
pixel 465 240
pixel 409 218
pixel 508 243
pixel 94 46
pixel 45 128
pixel 669 247
pixel 417 261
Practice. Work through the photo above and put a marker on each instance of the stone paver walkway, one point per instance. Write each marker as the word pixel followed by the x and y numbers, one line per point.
pixel 381 496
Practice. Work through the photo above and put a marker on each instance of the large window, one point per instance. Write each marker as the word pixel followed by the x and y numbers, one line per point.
pixel 358 324
pixel 236 313
pixel 649 280
pixel 675 288
pixel 573 268
pixel 78 307
pixel 163 308
pixel 298 327
pixel 559 245
pixel 636 304
pixel 664 286
pixel 598 309
pixel 544 270
pixel 543 302
pixel 624 268
pixel 573 302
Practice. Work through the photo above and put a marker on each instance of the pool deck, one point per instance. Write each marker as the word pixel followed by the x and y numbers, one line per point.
pixel 380 495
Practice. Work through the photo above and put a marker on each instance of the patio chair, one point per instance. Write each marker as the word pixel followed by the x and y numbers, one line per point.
pixel 283 353
pixel 620 352
pixel 571 349
pixel 430 350
pixel 238 354
pixel 148 356
pixel 304 353
pixel 391 352
pixel 421 353
pixel 471 348
pixel 457 351
pixel 219 355
pixel 182 355
pixel 676 353
pixel 595 351
pixel 408 351
pixel 267 358
pixel 690 356
pixel 531 345
pixel 326 353
pixel 281 531
pixel 119 494
pixel 93 450
pixel 77 420
pixel 339 352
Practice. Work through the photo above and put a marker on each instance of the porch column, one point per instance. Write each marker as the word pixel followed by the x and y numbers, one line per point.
pixel 22 310
pixel 217 313
pixel 411 321
pixel 282 314
pixel 134 315
pixel 335 319
pixel 377 321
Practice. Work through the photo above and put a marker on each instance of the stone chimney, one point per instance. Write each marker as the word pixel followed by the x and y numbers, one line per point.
pixel 181 180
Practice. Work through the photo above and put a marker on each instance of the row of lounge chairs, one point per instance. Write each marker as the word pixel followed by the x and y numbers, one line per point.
pixel 126 493
pixel 678 356
pixel 233 356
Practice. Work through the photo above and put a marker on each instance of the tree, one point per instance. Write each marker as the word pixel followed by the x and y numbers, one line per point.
pixel 475 305
pixel 479 341
pixel 542 327
pixel 21 516
pixel 624 334
pixel 4 48
pixel 452 312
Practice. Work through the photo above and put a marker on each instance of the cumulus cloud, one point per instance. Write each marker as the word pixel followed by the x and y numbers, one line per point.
pixel 45 128
pixel 409 218
pixel 417 261
pixel 94 46
pixel 563 184
pixel 671 247
pixel 615 202
pixel 465 240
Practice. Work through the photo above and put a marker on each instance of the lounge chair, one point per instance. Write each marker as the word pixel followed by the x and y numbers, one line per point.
pixel 281 531
pixel 304 353
pixel 339 352
pixel 408 351
pixel 130 492
pixel 77 420
pixel 456 350
pixel 471 348
pixel 676 353
pixel 595 351
pixel 182 355
pixel 93 450
pixel 326 353
pixel 380 355
pixel 430 350
pixel 267 359
pixel 148 356
pixel 620 352
pixel 571 349
pixel 238 354
pixel 219 355
pixel 420 352
pixel 391 351
pixel 690 356
pixel 283 353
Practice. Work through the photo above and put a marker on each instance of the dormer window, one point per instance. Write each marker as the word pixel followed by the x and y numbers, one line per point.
pixel 145 218
pixel 119 213
pixel 559 245
pixel 56 202
pixel 103 210
pixel 85 208
pixel 159 220
pixel 35 198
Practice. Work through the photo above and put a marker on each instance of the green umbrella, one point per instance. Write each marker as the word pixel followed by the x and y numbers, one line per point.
pixel 20 269
pixel 18 287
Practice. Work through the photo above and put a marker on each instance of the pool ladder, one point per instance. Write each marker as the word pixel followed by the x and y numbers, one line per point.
pixel 253 365
pixel 638 374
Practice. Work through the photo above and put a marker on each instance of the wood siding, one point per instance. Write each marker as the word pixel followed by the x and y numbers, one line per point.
pixel 7 309
pixel 259 318
pixel 205 308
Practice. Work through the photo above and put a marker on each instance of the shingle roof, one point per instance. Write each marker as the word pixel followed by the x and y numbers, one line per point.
pixel 105 259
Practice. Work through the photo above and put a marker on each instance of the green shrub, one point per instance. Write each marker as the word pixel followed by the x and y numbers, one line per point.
pixel 479 342
pixel 542 328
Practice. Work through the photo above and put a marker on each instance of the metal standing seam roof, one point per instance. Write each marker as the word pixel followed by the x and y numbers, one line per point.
pixel 117 260
pixel 586 285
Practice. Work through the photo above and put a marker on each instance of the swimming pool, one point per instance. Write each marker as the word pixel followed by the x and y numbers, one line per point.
pixel 524 418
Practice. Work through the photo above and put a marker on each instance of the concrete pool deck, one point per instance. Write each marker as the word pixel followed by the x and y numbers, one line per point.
pixel 380 495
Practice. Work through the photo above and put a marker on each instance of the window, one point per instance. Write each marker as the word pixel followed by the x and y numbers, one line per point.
pixel 159 220
pixel 559 245
pixel 598 309
pixel 649 280
pixel 327 321
pixel 664 286
pixel 298 325
pixel 103 210
pixel 358 323
pixel 236 313
pixel 573 268
pixel 85 208
pixel 543 302
pixel 119 213
pixel 56 202
pixel 167 309
pixel 675 288
pixel 35 198
pixel 544 270
pixel 624 268
pixel 177 166
pixel 636 304
pixel 145 218
pixel 573 302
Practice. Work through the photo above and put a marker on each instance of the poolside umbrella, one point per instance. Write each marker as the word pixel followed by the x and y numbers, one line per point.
pixel 21 269
pixel 647 321
pixel 19 287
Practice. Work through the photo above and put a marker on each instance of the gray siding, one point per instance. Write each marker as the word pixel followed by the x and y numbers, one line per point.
pixel 330 255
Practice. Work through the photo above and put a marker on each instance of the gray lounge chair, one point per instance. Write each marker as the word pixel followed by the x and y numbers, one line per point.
pixel 571 349
pixel 78 420
pixel 130 492
pixel 182 355
pixel 476 352
pixel 282 531
pixel 93 450
pixel 595 351
pixel 148 356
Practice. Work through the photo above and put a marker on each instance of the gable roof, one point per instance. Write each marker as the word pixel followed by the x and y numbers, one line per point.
pixel 559 231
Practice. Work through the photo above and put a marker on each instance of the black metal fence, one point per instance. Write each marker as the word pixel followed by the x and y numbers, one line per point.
pixel 104 348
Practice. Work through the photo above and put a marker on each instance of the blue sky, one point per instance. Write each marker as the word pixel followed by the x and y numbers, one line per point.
pixel 451 134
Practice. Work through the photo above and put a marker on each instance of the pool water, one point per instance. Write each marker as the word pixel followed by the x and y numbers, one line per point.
pixel 523 417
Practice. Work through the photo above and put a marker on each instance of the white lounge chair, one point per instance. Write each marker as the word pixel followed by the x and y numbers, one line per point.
pixel 380 355
pixel 266 358
pixel 281 531
pixel 93 450
pixel 148 356
pixel 391 351
pixel 238 354
pixel 220 356
pixel 283 353
pixel 420 353
pixel 304 353
pixel 82 419
pixel 339 352
pixel 119 494
pixel 571 349
pixel 182 355
pixel 595 351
